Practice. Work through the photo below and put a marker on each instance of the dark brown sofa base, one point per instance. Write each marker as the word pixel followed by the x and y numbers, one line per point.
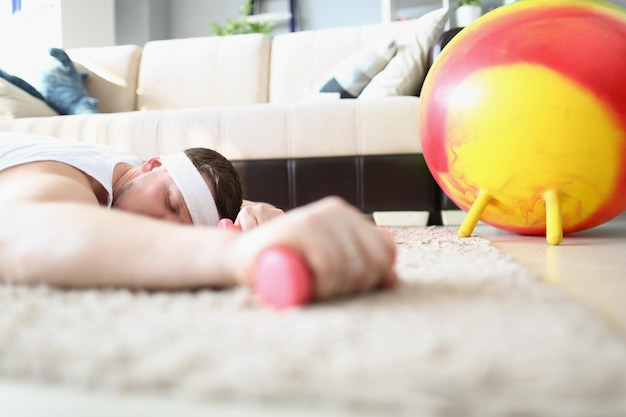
pixel 371 183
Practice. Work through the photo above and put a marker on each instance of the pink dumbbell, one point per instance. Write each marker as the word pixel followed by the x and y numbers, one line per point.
pixel 281 277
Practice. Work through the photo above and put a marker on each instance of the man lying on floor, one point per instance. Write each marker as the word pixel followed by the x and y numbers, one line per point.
pixel 57 227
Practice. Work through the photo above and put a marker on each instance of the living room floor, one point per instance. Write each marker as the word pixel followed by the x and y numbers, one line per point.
pixel 590 266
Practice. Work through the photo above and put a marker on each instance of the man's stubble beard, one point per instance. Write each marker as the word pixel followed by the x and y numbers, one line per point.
pixel 119 197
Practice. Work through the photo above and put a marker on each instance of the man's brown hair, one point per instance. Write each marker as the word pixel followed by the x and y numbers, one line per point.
pixel 227 185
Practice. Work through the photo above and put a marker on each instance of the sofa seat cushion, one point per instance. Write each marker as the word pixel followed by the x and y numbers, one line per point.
pixel 205 71
pixel 255 132
pixel 302 130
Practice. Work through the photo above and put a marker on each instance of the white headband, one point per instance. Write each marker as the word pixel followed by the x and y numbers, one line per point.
pixel 194 189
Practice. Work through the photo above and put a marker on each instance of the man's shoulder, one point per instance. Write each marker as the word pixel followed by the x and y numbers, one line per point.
pixel 46 181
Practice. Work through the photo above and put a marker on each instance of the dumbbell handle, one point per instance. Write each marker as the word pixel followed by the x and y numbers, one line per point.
pixel 281 277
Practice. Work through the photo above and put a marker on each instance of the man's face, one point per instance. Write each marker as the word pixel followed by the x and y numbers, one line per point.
pixel 153 193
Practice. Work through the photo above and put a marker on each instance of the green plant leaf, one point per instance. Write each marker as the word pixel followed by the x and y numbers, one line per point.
pixel 470 3
pixel 243 25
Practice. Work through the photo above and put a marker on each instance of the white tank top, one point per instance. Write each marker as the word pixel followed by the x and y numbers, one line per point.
pixel 97 161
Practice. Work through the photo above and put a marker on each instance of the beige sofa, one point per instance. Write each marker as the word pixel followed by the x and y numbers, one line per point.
pixel 255 99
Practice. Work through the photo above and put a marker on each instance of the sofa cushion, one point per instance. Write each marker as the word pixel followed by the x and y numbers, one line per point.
pixel 112 75
pixel 18 82
pixel 51 75
pixel 405 73
pixel 254 131
pixel 301 60
pixel 205 71
pixel 351 76
pixel 16 102
pixel 301 130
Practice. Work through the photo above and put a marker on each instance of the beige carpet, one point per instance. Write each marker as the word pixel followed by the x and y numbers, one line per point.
pixel 469 332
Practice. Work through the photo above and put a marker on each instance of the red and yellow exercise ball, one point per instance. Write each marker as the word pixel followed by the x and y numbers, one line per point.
pixel 523 117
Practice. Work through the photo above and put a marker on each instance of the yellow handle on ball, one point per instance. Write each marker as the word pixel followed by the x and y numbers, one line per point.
pixel 554 217
pixel 474 214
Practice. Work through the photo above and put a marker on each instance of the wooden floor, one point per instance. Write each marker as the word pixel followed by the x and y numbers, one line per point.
pixel 590 266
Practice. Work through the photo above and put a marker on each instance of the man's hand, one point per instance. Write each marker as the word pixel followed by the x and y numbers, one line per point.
pixel 346 252
pixel 253 214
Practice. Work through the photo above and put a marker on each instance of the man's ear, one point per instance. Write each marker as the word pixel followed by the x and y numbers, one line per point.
pixel 151 164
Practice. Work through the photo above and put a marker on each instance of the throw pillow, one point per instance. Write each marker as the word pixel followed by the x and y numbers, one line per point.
pixel 62 86
pixel 18 82
pixel 16 102
pixel 405 73
pixel 352 75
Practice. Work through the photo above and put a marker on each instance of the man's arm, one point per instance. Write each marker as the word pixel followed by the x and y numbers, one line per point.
pixel 75 244
pixel 80 245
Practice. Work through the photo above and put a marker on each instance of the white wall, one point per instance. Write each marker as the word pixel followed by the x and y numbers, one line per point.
pixel 320 14
pixel 60 23
pixel 139 21
pixel 190 18
pixel 38 25
pixel 76 23
pixel 87 23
